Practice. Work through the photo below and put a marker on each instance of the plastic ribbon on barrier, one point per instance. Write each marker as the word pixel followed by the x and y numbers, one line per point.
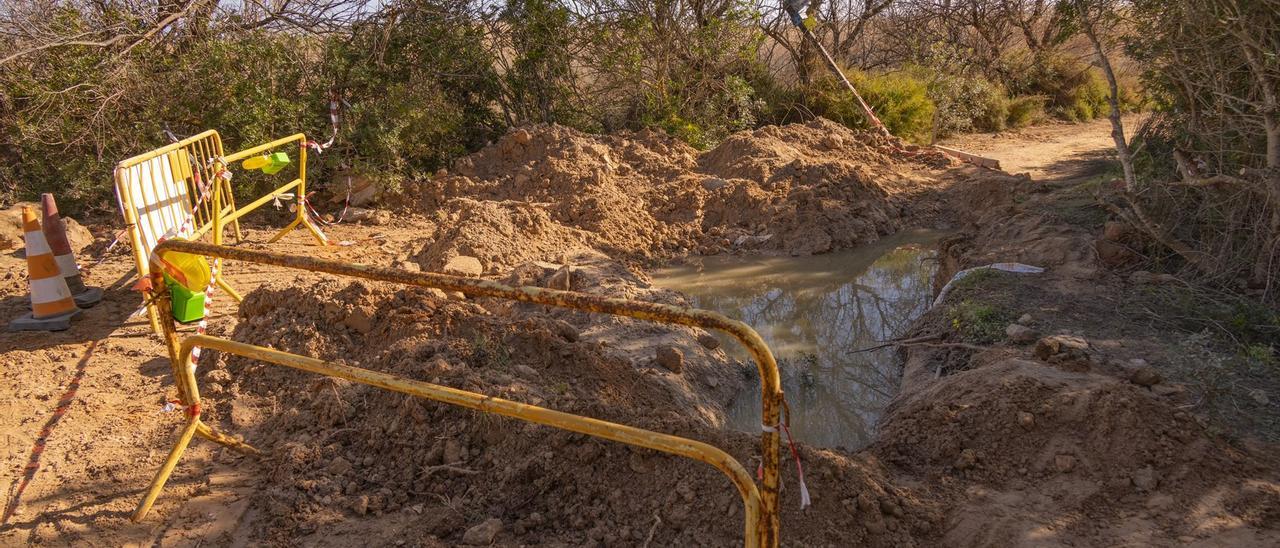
pixel 335 119
pixel 805 499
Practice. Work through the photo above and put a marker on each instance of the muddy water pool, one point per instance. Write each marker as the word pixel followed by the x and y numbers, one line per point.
pixel 816 312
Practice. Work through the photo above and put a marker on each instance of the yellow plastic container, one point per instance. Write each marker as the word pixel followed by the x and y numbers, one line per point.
pixel 187 276
pixel 189 271
pixel 256 162
pixel 187 305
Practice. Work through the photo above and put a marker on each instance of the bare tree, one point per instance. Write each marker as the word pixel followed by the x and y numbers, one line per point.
pixel 28 26
pixel 1094 15
pixel 840 26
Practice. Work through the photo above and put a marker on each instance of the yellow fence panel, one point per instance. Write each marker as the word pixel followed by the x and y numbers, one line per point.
pixel 760 503
pixel 184 189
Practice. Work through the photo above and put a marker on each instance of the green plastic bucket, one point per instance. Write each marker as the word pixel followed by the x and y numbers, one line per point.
pixel 188 305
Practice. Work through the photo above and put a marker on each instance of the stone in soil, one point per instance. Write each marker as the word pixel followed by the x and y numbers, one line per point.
pixel 671 358
pixel 1021 334
pixel 463 265
pixel 1145 479
pixel 1064 463
pixel 484 533
pixel 1027 420
pixel 562 279
pixel 1145 376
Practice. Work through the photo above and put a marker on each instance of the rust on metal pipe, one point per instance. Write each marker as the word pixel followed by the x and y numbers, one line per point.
pixel 666 443
pixel 770 385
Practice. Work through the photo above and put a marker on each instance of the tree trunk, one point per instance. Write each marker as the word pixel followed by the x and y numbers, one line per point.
pixel 1113 97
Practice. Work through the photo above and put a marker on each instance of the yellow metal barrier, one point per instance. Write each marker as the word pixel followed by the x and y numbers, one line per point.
pixel 761 505
pixel 179 184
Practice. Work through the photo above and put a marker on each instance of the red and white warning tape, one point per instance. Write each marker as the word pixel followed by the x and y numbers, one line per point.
pixel 334 120
pixel 805 500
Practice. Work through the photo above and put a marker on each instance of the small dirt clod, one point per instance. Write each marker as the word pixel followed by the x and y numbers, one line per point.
pixel 671 358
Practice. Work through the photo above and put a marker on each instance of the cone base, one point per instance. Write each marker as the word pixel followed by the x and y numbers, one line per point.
pixel 28 322
pixel 89 297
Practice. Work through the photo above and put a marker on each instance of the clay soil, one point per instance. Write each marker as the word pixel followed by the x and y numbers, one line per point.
pixel 1098 426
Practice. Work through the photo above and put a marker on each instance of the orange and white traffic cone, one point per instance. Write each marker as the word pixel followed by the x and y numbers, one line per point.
pixel 51 304
pixel 56 234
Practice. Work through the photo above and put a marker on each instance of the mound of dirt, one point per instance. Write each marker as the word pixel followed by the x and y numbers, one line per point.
pixel 1046 442
pixel 11 228
pixel 1023 419
pixel 543 190
pixel 459 474
pixel 1043 445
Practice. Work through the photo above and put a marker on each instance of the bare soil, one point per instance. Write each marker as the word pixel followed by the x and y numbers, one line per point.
pixel 1054 151
pixel 1011 445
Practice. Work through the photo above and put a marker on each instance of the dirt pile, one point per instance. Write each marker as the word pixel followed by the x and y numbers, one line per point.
pixel 1075 434
pixel 11 228
pixel 799 189
pixel 1044 443
pixel 454 475
pixel 332 438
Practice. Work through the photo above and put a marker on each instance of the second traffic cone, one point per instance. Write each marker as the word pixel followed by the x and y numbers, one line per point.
pixel 51 304
pixel 56 234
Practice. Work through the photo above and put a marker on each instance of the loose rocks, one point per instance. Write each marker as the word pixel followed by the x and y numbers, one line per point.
pixel 671 358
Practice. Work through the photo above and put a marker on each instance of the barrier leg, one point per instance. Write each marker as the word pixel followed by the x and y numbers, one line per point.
pixel 157 483
pixel 285 230
pixel 208 433
pixel 230 291
pixel 319 236
pixel 315 232
pixel 154 318
pixel 235 223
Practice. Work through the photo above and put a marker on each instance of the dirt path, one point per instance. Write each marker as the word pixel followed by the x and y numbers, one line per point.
pixel 1053 152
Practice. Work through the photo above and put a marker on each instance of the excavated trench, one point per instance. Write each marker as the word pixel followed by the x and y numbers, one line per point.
pixel 823 316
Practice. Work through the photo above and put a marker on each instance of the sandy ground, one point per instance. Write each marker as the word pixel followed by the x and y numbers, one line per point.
pixel 1102 460
pixel 1050 152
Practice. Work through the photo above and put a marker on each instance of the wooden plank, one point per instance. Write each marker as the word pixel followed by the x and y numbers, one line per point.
pixel 981 161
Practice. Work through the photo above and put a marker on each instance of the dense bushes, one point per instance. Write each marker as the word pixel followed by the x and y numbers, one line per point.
pixel 1209 165
pixel 70 116
pixel 966 104
pixel 421 89
pixel 424 81
pixel 899 100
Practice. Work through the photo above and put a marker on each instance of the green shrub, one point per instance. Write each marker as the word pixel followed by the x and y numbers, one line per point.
pixel 900 100
pixel 540 77
pixel 704 118
pixel 697 83
pixel 977 322
pixel 1086 99
pixel 1073 90
pixel 1025 111
pixel 685 130
pixel 422 91
pixel 65 129
pixel 433 103
pixel 967 104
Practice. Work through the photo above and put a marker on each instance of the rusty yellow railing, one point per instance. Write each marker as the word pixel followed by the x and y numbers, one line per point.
pixel 179 184
pixel 761 505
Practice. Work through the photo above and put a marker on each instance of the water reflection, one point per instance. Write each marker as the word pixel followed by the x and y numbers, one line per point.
pixel 814 312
